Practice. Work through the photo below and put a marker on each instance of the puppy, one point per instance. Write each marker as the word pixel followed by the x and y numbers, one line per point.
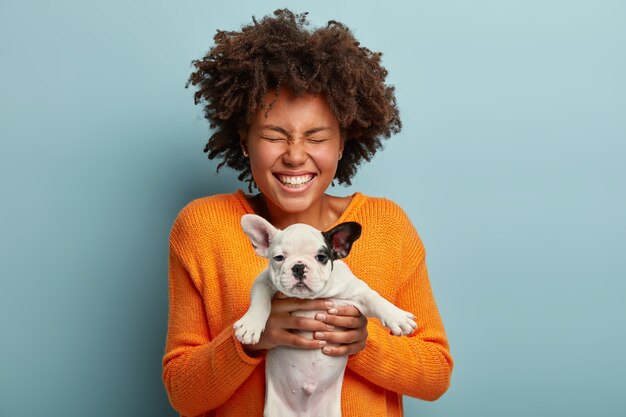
pixel 306 263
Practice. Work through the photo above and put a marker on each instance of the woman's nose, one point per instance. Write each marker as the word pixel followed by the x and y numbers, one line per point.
pixel 295 154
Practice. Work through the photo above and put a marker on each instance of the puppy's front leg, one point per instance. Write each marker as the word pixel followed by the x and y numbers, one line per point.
pixel 248 329
pixel 400 322
pixel 372 304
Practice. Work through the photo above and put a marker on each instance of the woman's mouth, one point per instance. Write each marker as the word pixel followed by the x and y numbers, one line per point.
pixel 294 181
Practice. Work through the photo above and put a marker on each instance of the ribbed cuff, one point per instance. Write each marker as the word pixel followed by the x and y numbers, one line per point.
pixel 229 350
pixel 251 360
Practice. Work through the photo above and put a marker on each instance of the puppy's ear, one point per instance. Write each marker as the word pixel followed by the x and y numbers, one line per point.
pixel 260 232
pixel 341 237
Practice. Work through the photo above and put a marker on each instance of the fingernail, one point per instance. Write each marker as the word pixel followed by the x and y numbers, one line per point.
pixel 322 343
pixel 329 304
pixel 330 327
pixel 332 311
pixel 319 335
pixel 320 316
pixel 327 350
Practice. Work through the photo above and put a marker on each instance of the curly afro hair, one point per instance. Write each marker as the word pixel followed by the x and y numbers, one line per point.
pixel 281 52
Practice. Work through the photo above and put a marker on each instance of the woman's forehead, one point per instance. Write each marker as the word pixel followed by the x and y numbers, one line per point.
pixel 287 111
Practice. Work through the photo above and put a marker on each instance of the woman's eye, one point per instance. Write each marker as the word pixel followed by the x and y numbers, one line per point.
pixel 273 139
pixel 279 258
pixel 317 140
pixel 321 258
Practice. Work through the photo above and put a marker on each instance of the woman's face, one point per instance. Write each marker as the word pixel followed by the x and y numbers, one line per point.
pixel 294 150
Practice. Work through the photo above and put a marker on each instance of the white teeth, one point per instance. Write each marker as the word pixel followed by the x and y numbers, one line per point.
pixel 295 180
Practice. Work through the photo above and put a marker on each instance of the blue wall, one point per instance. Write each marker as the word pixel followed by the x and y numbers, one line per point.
pixel 510 164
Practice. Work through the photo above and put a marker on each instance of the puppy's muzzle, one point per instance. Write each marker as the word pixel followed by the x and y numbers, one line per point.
pixel 298 271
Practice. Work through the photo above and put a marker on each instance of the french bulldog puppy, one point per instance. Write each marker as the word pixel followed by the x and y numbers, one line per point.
pixel 306 263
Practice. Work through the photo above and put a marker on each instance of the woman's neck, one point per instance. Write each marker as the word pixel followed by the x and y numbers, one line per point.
pixel 321 216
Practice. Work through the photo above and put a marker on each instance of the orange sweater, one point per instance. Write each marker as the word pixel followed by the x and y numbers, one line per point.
pixel 211 269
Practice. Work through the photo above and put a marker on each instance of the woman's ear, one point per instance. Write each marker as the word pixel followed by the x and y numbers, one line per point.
pixel 342 141
pixel 243 135
pixel 243 140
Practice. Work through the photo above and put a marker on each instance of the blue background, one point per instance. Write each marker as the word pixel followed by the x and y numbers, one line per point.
pixel 510 164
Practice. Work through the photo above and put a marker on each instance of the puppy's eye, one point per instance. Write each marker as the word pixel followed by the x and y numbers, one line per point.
pixel 321 258
pixel 279 258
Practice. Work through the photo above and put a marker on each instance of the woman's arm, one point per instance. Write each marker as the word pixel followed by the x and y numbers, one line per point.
pixel 419 365
pixel 200 370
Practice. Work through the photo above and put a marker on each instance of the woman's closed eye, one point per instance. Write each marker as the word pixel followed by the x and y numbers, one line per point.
pixel 316 140
pixel 273 139
pixel 312 141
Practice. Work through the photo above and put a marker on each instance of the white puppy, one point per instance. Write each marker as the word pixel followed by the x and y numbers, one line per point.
pixel 305 263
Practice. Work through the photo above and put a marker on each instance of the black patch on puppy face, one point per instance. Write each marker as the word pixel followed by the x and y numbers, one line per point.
pixel 324 255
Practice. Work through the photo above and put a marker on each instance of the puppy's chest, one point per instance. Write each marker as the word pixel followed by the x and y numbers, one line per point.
pixel 305 374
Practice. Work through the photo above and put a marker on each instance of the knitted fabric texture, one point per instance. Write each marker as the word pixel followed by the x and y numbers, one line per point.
pixel 212 266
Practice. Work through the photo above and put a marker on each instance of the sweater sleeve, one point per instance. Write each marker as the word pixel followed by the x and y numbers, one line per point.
pixel 201 371
pixel 419 365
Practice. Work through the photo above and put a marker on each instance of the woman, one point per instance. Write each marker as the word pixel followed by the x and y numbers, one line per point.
pixel 293 110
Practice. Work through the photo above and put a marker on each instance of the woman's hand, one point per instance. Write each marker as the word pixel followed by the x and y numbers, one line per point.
pixel 280 323
pixel 349 340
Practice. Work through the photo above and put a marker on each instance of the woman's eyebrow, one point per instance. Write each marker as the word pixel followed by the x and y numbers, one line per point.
pixel 315 130
pixel 276 129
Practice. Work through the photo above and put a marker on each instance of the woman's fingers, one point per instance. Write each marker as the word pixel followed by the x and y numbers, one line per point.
pixel 347 335
pixel 338 331
pixel 288 305
pixel 344 350
pixel 348 341
pixel 289 322
pixel 346 311
pixel 348 317
pixel 340 337
pixel 277 333
pixel 286 338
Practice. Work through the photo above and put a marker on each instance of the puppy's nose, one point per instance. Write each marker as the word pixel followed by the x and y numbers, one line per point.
pixel 298 271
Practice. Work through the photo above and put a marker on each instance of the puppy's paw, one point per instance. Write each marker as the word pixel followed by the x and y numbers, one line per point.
pixel 400 322
pixel 248 329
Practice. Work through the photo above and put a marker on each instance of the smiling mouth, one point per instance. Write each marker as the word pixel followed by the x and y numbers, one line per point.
pixel 294 181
